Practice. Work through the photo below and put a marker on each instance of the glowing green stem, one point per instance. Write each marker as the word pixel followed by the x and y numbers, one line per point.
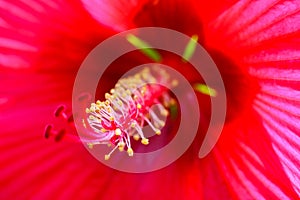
pixel 204 89
pixel 190 48
pixel 144 47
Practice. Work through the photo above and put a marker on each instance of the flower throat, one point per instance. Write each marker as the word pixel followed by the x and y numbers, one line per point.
pixel 125 111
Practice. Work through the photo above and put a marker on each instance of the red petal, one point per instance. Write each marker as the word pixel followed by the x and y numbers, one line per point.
pixel 248 24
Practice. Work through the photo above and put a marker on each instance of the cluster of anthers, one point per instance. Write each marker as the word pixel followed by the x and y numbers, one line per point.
pixel 127 109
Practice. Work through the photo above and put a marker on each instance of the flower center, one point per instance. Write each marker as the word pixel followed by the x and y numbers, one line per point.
pixel 127 109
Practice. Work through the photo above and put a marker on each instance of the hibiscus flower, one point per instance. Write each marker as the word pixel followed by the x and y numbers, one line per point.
pixel 255 45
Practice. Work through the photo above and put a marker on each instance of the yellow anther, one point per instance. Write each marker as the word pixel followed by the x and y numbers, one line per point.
pixel 174 83
pixel 107 95
pixel 121 146
pixel 130 151
pixel 157 132
pixel 145 141
pixel 132 125
pixel 118 131
pixel 164 113
pixel 128 92
pixel 90 145
pixel 136 137
pixel 103 130
pixel 160 123
pixel 98 102
pixel 83 123
pixel 166 104
pixel 107 102
pixel 112 91
pixel 111 118
pixel 137 76
pixel 145 75
pixel 139 106
pixel 87 110
pixel 143 91
pixel 92 109
pixel 106 157
pixel 120 103
pixel 172 102
pixel 91 117
pixel 152 80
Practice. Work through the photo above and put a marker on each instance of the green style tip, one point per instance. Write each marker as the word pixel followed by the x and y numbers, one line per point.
pixel 144 47
pixel 204 89
pixel 190 48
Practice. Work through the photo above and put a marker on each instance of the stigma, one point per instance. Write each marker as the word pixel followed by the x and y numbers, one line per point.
pixel 120 118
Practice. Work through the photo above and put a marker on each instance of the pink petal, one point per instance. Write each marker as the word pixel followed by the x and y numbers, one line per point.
pixel 31 166
pixel 117 14
pixel 248 24
pixel 257 156
pixel 262 37
pixel 35 31
pixel 252 167
pixel 36 168
pixel 279 107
